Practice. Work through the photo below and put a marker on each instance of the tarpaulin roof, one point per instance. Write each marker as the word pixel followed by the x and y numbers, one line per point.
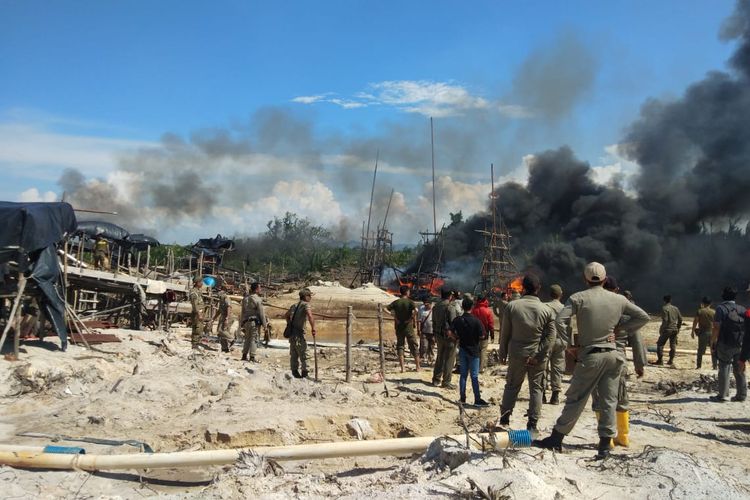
pixel 141 241
pixel 217 243
pixel 95 228
pixel 34 229
pixel 34 226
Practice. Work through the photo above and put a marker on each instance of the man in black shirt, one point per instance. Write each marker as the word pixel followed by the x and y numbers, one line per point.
pixel 469 331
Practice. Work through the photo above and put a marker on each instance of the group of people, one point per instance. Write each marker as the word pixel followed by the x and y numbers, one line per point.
pixel 536 337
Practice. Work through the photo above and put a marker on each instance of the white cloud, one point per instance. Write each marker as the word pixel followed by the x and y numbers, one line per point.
pixel 33 195
pixel 615 168
pixel 429 98
pixel 36 152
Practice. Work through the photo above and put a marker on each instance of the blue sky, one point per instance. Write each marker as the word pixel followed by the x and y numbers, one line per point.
pixel 85 84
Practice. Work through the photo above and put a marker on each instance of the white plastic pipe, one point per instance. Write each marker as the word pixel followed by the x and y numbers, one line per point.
pixel 33 457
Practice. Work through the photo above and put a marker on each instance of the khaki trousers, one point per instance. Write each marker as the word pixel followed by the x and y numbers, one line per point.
pixel 594 370
pixel 444 361
pixel 517 372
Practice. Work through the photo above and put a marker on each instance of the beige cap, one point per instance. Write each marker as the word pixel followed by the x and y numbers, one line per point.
pixel 594 272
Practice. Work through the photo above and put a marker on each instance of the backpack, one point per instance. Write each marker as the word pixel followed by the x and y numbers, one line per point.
pixel 732 329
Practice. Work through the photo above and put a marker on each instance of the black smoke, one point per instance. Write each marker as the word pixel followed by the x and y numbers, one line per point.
pixel 681 232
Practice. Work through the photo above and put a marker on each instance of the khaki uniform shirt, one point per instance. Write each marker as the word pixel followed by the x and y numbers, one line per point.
pixel 225 304
pixel 671 319
pixel 597 312
pixel 252 307
pixel 705 317
pixel 528 329
pixel 196 301
pixel 298 317
pixel 442 315
pixel 557 306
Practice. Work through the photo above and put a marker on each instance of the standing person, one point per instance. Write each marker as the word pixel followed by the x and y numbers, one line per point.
pixel 703 322
pixel 483 313
pixel 223 312
pixel 623 338
pixel 405 322
pixel 197 313
pixel 298 315
pixel 253 318
pixel 443 315
pixel 498 307
pixel 470 333
pixel 597 313
pixel 727 337
pixel 557 353
pixel 101 253
pixel 671 322
pixel 528 334
pixel 424 329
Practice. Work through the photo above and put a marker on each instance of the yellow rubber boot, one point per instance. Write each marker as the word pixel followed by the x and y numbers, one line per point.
pixel 623 429
pixel 611 441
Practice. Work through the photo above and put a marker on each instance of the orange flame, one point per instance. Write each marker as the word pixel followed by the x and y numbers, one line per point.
pixel 516 285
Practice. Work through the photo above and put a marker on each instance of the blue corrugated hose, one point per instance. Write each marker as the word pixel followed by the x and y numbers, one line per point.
pixel 520 439
pixel 72 450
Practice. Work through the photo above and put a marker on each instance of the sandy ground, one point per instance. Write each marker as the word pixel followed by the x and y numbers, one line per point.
pixel 154 389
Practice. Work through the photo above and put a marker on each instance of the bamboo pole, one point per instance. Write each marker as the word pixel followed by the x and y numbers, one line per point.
pixel 349 343
pixel 380 341
pixel 14 311
pixel 33 457
pixel 148 257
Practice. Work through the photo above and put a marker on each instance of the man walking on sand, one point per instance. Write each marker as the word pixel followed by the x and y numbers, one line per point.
pixel 599 363
pixel 197 313
pixel 253 318
pixel 424 329
pixel 556 364
pixel 405 321
pixel 671 322
pixel 703 322
pixel 443 315
pixel 528 333
pixel 299 315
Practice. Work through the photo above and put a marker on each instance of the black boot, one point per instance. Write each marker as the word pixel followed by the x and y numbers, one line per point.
pixel 551 442
pixel 603 448
pixel 544 397
pixel 295 374
pixel 531 425
pixel 480 402
pixel 304 374
pixel 504 419
pixel 555 399
pixel 463 398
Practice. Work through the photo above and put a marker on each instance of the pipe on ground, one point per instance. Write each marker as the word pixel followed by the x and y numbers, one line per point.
pixel 35 457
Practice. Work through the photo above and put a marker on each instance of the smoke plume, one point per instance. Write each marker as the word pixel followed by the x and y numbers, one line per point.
pixel 681 232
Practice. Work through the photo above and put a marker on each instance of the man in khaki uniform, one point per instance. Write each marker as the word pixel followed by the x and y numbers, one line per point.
pixel 253 318
pixel 405 321
pixel 671 322
pixel 597 313
pixel 101 253
pixel 623 338
pixel 443 315
pixel 223 312
pixel 528 333
pixel 298 315
pixel 702 325
pixel 197 315
pixel 557 353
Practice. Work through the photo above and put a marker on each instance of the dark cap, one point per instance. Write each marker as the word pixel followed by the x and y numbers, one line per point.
pixel 610 283
pixel 531 282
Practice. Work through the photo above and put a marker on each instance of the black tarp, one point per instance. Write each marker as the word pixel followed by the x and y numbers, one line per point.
pixel 216 244
pixel 29 233
pixel 94 228
pixel 140 242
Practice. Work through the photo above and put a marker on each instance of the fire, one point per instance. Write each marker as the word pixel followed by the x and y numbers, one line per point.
pixel 430 285
pixel 516 285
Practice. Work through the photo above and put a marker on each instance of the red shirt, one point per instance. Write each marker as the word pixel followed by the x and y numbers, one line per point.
pixel 483 312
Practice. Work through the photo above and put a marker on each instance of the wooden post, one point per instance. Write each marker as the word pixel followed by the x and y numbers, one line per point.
pixel 380 341
pixel 15 310
pixel 349 316
pixel 148 258
pixel 65 281
pixel 268 283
